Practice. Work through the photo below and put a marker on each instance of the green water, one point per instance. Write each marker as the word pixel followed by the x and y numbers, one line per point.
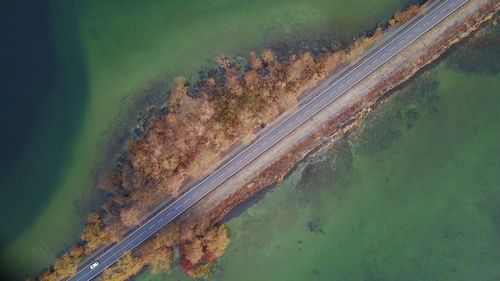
pixel 100 62
pixel 411 194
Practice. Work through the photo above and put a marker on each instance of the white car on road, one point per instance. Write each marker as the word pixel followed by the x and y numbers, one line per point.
pixel 94 265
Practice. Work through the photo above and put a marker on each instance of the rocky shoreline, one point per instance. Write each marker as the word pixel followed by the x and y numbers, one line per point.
pixel 198 219
pixel 197 233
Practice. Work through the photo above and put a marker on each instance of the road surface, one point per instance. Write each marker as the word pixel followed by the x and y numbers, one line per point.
pixel 352 76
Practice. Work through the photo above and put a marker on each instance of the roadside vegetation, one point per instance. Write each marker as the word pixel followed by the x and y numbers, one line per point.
pixel 184 139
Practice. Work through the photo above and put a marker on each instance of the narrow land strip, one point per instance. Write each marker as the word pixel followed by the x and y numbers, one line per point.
pixel 283 135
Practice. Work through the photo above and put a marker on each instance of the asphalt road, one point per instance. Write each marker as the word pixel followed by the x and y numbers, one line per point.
pixel 352 76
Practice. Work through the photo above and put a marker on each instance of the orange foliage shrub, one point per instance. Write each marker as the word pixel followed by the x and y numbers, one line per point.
pixel 64 267
pixel 216 240
pixel 186 139
pixel 158 251
pixel 96 234
pixel 254 61
pixel 122 270
pixel 402 16
pixel 203 250
pixel 109 179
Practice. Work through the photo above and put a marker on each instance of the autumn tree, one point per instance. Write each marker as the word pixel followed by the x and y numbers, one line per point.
pixel 301 66
pixel 177 95
pixel 231 75
pixel 66 265
pixel 254 61
pixel 130 216
pixel 96 234
pixel 267 56
pixel 201 271
pixel 126 267
pixel 193 250
pixel 217 240
pixel 158 251
pixel 109 179
pixel 186 141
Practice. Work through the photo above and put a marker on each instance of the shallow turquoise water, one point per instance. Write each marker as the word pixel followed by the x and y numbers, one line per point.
pixel 87 67
pixel 411 194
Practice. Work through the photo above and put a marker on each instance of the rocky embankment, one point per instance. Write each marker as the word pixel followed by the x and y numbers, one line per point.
pixel 186 138
pixel 336 119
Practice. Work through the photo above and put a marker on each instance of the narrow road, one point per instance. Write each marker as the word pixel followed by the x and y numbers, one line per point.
pixel 391 47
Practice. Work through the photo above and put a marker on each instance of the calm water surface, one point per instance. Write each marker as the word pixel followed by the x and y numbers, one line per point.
pixel 78 71
pixel 411 194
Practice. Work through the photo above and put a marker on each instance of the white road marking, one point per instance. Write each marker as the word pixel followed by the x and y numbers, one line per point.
pixel 117 247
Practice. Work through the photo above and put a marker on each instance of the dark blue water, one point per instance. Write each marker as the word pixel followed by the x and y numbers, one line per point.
pixel 43 94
